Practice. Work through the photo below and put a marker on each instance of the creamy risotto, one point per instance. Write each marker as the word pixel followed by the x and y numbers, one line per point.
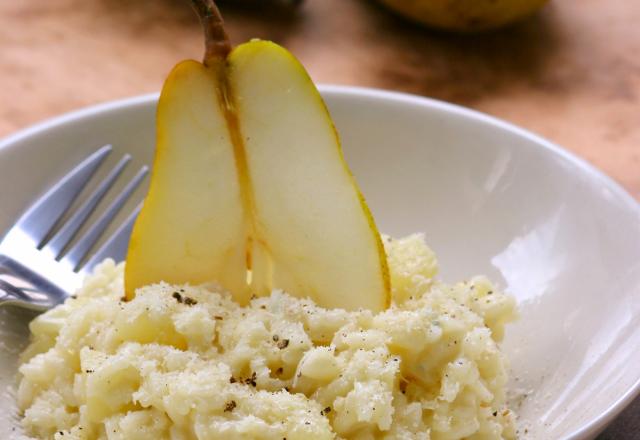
pixel 185 362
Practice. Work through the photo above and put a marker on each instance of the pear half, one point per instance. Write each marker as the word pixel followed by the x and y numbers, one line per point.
pixel 250 188
pixel 191 227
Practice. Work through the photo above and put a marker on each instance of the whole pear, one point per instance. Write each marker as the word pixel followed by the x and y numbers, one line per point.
pixel 465 15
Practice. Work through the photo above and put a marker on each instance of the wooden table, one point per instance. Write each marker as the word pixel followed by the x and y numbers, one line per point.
pixel 571 73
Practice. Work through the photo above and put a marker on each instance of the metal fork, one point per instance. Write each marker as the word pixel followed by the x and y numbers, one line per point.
pixel 39 267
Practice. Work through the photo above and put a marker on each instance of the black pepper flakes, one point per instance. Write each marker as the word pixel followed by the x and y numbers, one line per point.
pixel 283 344
pixel 275 338
pixel 232 379
pixel 230 406
pixel 190 301
pixel 495 413
pixel 325 411
pixel 88 371
pixel 177 297
pixel 251 380
pixel 279 370
pixel 218 318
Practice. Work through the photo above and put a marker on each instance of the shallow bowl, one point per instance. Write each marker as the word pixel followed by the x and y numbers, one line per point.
pixel 492 199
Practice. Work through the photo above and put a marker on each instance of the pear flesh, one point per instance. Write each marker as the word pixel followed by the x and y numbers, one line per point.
pixel 250 189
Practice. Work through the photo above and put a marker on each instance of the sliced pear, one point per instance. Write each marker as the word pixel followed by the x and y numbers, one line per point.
pixel 250 187
pixel 311 223
pixel 191 228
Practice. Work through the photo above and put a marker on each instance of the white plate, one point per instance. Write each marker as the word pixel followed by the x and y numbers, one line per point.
pixel 491 198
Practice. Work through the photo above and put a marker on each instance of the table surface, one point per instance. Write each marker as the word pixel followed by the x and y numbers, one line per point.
pixel 570 73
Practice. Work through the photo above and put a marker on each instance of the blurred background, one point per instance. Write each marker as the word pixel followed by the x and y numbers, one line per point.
pixel 569 71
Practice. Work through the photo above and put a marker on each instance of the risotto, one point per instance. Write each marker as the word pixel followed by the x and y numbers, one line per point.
pixel 185 362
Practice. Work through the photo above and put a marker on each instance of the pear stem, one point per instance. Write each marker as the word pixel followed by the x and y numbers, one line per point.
pixel 216 41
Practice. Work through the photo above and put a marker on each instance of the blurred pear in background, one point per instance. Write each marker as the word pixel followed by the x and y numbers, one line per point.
pixel 465 15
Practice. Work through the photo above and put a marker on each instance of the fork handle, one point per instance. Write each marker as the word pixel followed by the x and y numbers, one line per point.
pixel 20 287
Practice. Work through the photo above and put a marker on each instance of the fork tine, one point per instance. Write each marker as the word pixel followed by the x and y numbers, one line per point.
pixel 43 215
pixel 80 249
pixel 116 246
pixel 73 225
